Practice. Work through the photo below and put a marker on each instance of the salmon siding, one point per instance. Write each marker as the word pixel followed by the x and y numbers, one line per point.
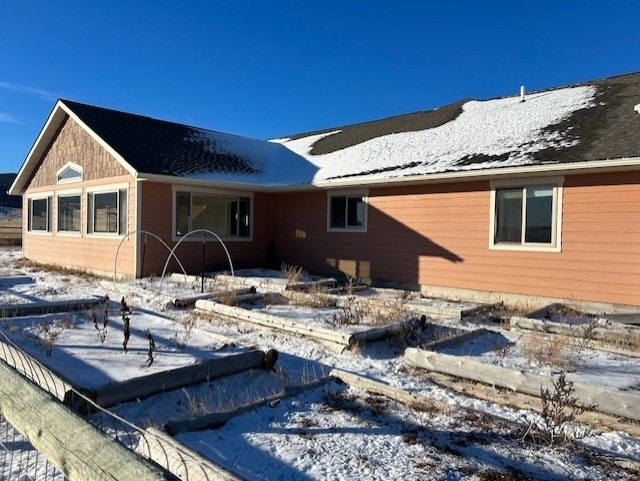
pixel 539 197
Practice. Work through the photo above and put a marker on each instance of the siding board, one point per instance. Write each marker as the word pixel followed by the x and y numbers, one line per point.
pixel 439 235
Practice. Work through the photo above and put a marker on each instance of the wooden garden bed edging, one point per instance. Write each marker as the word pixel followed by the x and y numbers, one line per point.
pixel 414 401
pixel 384 332
pixel 26 309
pixel 8 282
pixel 335 340
pixel 75 447
pixel 592 397
pixel 235 294
pixel 142 387
pixel 218 419
pixel 276 322
pixel 619 337
pixel 457 340
pixel 183 462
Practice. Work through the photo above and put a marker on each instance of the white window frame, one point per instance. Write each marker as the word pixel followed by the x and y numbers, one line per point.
pixel 117 189
pixel 70 166
pixel 68 193
pixel 556 184
pixel 48 196
pixel 348 193
pixel 191 190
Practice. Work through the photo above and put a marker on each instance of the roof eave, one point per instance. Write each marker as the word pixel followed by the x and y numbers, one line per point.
pixel 627 163
pixel 176 180
pixel 47 133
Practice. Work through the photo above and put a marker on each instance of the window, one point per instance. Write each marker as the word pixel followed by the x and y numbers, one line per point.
pixel 107 212
pixel 526 216
pixel 40 215
pixel 69 213
pixel 70 173
pixel 347 212
pixel 225 215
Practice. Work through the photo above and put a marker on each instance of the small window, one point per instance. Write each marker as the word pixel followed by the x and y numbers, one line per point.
pixel 40 215
pixel 527 216
pixel 347 212
pixel 107 212
pixel 227 216
pixel 70 173
pixel 69 213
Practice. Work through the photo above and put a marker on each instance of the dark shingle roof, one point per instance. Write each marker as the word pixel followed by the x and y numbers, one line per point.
pixel 357 133
pixel 609 129
pixel 159 147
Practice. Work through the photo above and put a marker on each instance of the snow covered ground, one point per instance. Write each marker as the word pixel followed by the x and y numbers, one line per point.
pixel 335 431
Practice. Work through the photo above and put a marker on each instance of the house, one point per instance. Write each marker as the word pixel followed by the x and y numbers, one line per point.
pixel 536 194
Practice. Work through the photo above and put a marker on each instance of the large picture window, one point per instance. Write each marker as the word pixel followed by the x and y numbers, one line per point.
pixel 107 212
pixel 526 216
pixel 40 215
pixel 347 212
pixel 227 216
pixel 69 213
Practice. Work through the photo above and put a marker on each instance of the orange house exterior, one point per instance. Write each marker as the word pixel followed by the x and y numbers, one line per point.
pixel 564 224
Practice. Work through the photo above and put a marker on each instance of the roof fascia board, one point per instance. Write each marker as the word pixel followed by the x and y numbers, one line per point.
pixel 632 163
pixel 170 179
pixel 41 144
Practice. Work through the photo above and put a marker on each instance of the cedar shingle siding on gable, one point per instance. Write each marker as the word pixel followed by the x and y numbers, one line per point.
pixel 74 144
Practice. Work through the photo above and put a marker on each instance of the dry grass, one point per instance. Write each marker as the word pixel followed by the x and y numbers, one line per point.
pixel 551 350
pixel 363 310
pixel 46 333
pixel 630 341
pixel 275 299
pixel 228 298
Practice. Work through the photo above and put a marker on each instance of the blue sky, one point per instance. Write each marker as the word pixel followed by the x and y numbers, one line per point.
pixel 268 69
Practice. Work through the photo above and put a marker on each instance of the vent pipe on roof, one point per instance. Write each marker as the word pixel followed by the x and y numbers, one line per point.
pixel 637 108
pixel 522 93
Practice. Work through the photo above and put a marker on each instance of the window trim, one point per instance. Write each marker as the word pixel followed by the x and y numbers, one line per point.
pixel 556 183
pixel 192 190
pixel 48 196
pixel 364 193
pixel 73 166
pixel 68 193
pixel 89 214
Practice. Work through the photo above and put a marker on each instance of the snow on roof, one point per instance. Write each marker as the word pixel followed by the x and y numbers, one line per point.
pixel 504 132
pixel 272 164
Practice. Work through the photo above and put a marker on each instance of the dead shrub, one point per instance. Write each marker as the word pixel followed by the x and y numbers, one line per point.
pixel 559 409
pixel 46 333
pixel 582 342
pixel 373 312
pixel 291 273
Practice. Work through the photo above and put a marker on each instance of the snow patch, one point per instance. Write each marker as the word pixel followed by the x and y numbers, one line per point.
pixel 506 129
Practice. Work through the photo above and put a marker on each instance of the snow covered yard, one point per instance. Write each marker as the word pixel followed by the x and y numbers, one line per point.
pixel 335 431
